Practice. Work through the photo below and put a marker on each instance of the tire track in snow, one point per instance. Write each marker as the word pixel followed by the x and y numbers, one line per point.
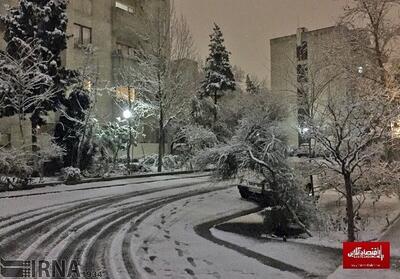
pixel 17 238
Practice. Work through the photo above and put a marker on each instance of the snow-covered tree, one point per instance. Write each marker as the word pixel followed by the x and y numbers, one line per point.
pixel 43 23
pixel 374 35
pixel 163 72
pixel 259 146
pixel 218 71
pixel 352 133
pixel 24 88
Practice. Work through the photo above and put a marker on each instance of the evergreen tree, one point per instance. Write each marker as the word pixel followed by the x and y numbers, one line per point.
pixel 218 71
pixel 41 23
pixel 251 88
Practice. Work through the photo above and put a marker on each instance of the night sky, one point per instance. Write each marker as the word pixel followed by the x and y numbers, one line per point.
pixel 249 24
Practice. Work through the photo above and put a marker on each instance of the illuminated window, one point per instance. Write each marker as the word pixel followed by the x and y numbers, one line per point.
pixel 87 85
pixel 124 7
pixel 124 92
pixel 395 129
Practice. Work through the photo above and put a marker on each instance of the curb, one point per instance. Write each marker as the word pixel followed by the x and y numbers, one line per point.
pixel 104 179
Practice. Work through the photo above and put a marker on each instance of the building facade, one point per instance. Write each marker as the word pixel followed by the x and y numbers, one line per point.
pixel 302 76
pixel 115 29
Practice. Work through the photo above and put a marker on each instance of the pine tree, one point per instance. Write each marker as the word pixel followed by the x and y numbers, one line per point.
pixel 251 88
pixel 41 23
pixel 218 71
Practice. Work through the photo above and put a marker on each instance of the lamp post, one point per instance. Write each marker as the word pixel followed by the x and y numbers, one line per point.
pixel 127 114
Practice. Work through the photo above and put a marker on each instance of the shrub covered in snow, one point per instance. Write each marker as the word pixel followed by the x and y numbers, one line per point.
pixel 170 162
pixel 191 139
pixel 15 171
pixel 71 175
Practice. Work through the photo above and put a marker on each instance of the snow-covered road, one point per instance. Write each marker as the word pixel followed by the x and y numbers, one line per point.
pixel 132 228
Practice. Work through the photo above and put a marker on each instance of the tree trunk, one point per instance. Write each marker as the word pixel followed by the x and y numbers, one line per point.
pixel 215 107
pixel 115 158
pixel 311 155
pixel 161 140
pixel 349 208
pixel 128 149
pixel 297 220
pixel 128 157
pixel 21 130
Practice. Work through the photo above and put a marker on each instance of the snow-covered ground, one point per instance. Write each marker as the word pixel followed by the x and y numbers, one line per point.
pixel 128 228
pixel 146 227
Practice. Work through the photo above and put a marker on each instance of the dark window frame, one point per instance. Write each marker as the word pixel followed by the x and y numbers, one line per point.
pixel 302 73
pixel 80 40
pixel 302 51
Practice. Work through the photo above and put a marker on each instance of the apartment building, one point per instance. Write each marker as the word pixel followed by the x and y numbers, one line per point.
pixel 116 29
pixel 299 70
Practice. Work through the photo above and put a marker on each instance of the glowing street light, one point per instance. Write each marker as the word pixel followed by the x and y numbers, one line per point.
pixel 304 130
pixel 127 114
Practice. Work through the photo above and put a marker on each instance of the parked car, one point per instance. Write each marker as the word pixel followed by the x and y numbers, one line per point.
pixel 254 191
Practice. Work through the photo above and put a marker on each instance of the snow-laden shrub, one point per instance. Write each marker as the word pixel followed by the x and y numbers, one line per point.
pixel 15 171
pixel 191 139
pixel 170 162
pixel 48 152
pixel 71 175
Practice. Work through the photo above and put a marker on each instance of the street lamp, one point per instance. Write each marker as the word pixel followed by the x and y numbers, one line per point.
pixel 127 114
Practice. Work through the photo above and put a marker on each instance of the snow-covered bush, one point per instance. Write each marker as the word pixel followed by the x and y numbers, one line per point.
pixel 71 175
pixel 191 139
pixel 170 162
pixel 46 153
pixel 15 171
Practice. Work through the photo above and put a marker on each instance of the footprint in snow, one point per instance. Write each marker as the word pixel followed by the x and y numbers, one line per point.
pixel 189 271
pixel 191 261
pixel 149 270
pixel 180 252
pixel 145 249
pixel 167 236
pixel 152 258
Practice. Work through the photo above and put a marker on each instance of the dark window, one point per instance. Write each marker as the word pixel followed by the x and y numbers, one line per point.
pixel 82 35
pixel 302 116
pixel 302 51
pixel 302 73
